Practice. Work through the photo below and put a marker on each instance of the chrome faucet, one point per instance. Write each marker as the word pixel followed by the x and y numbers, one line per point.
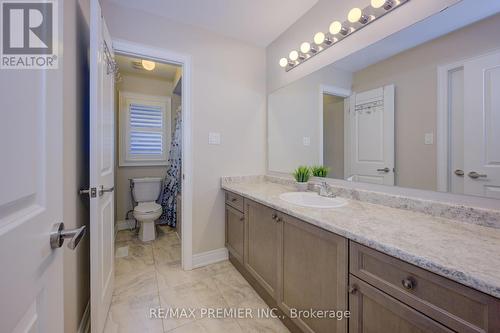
pixel 326 190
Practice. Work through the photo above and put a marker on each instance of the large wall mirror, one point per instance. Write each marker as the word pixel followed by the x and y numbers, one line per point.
pixel 427 117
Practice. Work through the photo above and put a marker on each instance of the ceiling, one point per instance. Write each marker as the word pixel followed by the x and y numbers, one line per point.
pixel 257 22
pixel 161 71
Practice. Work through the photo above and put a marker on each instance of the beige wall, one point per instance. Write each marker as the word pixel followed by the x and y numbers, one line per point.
pixel 414 74
pixel 75 157
pixel 333 135
pixel 227 95
pixel 139 85
pixel 294 113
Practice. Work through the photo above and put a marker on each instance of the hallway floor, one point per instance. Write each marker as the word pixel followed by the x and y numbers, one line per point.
pixel 149 275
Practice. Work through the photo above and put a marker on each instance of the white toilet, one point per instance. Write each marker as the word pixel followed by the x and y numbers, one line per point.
pixel 145 192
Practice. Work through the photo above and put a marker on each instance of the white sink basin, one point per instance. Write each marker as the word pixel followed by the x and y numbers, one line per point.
pixel 312 200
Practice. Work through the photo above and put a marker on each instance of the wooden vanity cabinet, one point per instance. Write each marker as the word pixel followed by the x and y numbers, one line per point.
pixel 312 274
pixel 297 266
pixel 261 245
pixel 235 232
pixel 373 311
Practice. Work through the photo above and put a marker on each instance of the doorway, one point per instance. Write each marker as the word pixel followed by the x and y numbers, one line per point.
pixel 467 123
pixel 183 62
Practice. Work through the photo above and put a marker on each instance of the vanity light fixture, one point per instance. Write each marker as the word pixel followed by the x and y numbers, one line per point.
pixel 357 19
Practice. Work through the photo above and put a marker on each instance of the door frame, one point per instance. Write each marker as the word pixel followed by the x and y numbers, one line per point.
pixel 334 91
pixel 164 55
pixel 443 119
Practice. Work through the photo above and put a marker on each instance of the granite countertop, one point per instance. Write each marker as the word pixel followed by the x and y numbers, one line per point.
pixel 463 252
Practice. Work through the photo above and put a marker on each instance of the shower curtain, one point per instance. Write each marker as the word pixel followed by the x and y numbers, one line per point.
pixel 172 181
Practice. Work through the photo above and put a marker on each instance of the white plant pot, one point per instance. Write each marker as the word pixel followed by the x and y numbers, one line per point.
pixel 301 187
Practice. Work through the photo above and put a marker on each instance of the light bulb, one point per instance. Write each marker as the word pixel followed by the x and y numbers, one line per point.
pixel 294 55
pixel 148 65
pixel 388 4
pixel 305 47
pixel 335 27
pixel 377 3
pixel 319 38
pixel 354 15
pixel 283 62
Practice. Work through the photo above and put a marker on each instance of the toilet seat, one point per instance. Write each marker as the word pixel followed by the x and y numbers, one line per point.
pixel 147 208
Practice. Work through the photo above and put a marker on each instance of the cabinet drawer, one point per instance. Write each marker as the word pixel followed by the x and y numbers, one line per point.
pixel 375 311
pixel 234 200
pixel 454 305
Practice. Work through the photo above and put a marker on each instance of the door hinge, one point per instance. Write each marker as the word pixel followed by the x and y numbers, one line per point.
pixel 92 192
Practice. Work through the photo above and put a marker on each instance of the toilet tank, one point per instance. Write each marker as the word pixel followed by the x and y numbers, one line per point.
pixel 146 189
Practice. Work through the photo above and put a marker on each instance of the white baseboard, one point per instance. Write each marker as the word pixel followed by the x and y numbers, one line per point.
pixel 125 225
pixel 85 322
pixel 210 257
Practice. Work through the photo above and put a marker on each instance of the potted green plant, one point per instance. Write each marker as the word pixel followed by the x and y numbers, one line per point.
pixel 320 171
pixel 302 175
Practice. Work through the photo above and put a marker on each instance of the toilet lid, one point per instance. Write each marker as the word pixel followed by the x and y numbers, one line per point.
pixel 147 207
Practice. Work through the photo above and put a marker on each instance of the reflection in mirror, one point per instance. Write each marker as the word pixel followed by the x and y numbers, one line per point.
pixel 426 118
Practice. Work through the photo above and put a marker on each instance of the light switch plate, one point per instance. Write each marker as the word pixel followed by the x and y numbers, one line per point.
pixel 306 141
pixel 214 138
pixel 429 138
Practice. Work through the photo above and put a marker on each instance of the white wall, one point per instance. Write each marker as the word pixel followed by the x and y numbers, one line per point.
pixel 228 96
pixel 319 17
pixel 294 113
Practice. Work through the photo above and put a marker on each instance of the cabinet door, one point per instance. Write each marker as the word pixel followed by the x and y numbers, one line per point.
pixel 373 311
pixel 313 275
pixel 235 232
pixel 261 232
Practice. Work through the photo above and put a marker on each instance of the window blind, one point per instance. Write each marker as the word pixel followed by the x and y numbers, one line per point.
pixel 146 130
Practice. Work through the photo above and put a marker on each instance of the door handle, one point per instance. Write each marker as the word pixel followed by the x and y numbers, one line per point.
pixel 103 190
pixel 58 235
pixel 386 169
pixel 459 172
pixel 475 175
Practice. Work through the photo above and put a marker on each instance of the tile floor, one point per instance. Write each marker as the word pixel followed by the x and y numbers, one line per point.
pixel 148 275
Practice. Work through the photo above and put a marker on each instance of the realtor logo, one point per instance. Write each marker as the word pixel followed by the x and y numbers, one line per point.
pixel 29 34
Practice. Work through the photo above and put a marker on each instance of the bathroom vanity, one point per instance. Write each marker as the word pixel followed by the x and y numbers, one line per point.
pixel 395 270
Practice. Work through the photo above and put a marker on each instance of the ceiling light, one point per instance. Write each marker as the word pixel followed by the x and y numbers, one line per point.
pixel 337 27
pixel 148 65
pixel 294 55
pixel 319 38
pixel 283 62
pixel 305 47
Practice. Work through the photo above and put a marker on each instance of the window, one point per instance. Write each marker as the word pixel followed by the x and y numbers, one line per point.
pixel 144 129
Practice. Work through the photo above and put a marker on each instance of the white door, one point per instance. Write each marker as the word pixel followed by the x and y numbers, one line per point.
pixel 31 150
pixel 101 169
pixel 482 126
pixel 371 136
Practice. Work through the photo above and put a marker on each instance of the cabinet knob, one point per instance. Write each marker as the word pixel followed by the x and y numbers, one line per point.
pixel 233 199
pixel 409 283
pixel 352 289
pixel 274 216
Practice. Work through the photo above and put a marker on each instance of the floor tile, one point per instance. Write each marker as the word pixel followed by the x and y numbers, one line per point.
pixel 196 295
pixel 150 276
pixel 209 325
pixel 132 315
